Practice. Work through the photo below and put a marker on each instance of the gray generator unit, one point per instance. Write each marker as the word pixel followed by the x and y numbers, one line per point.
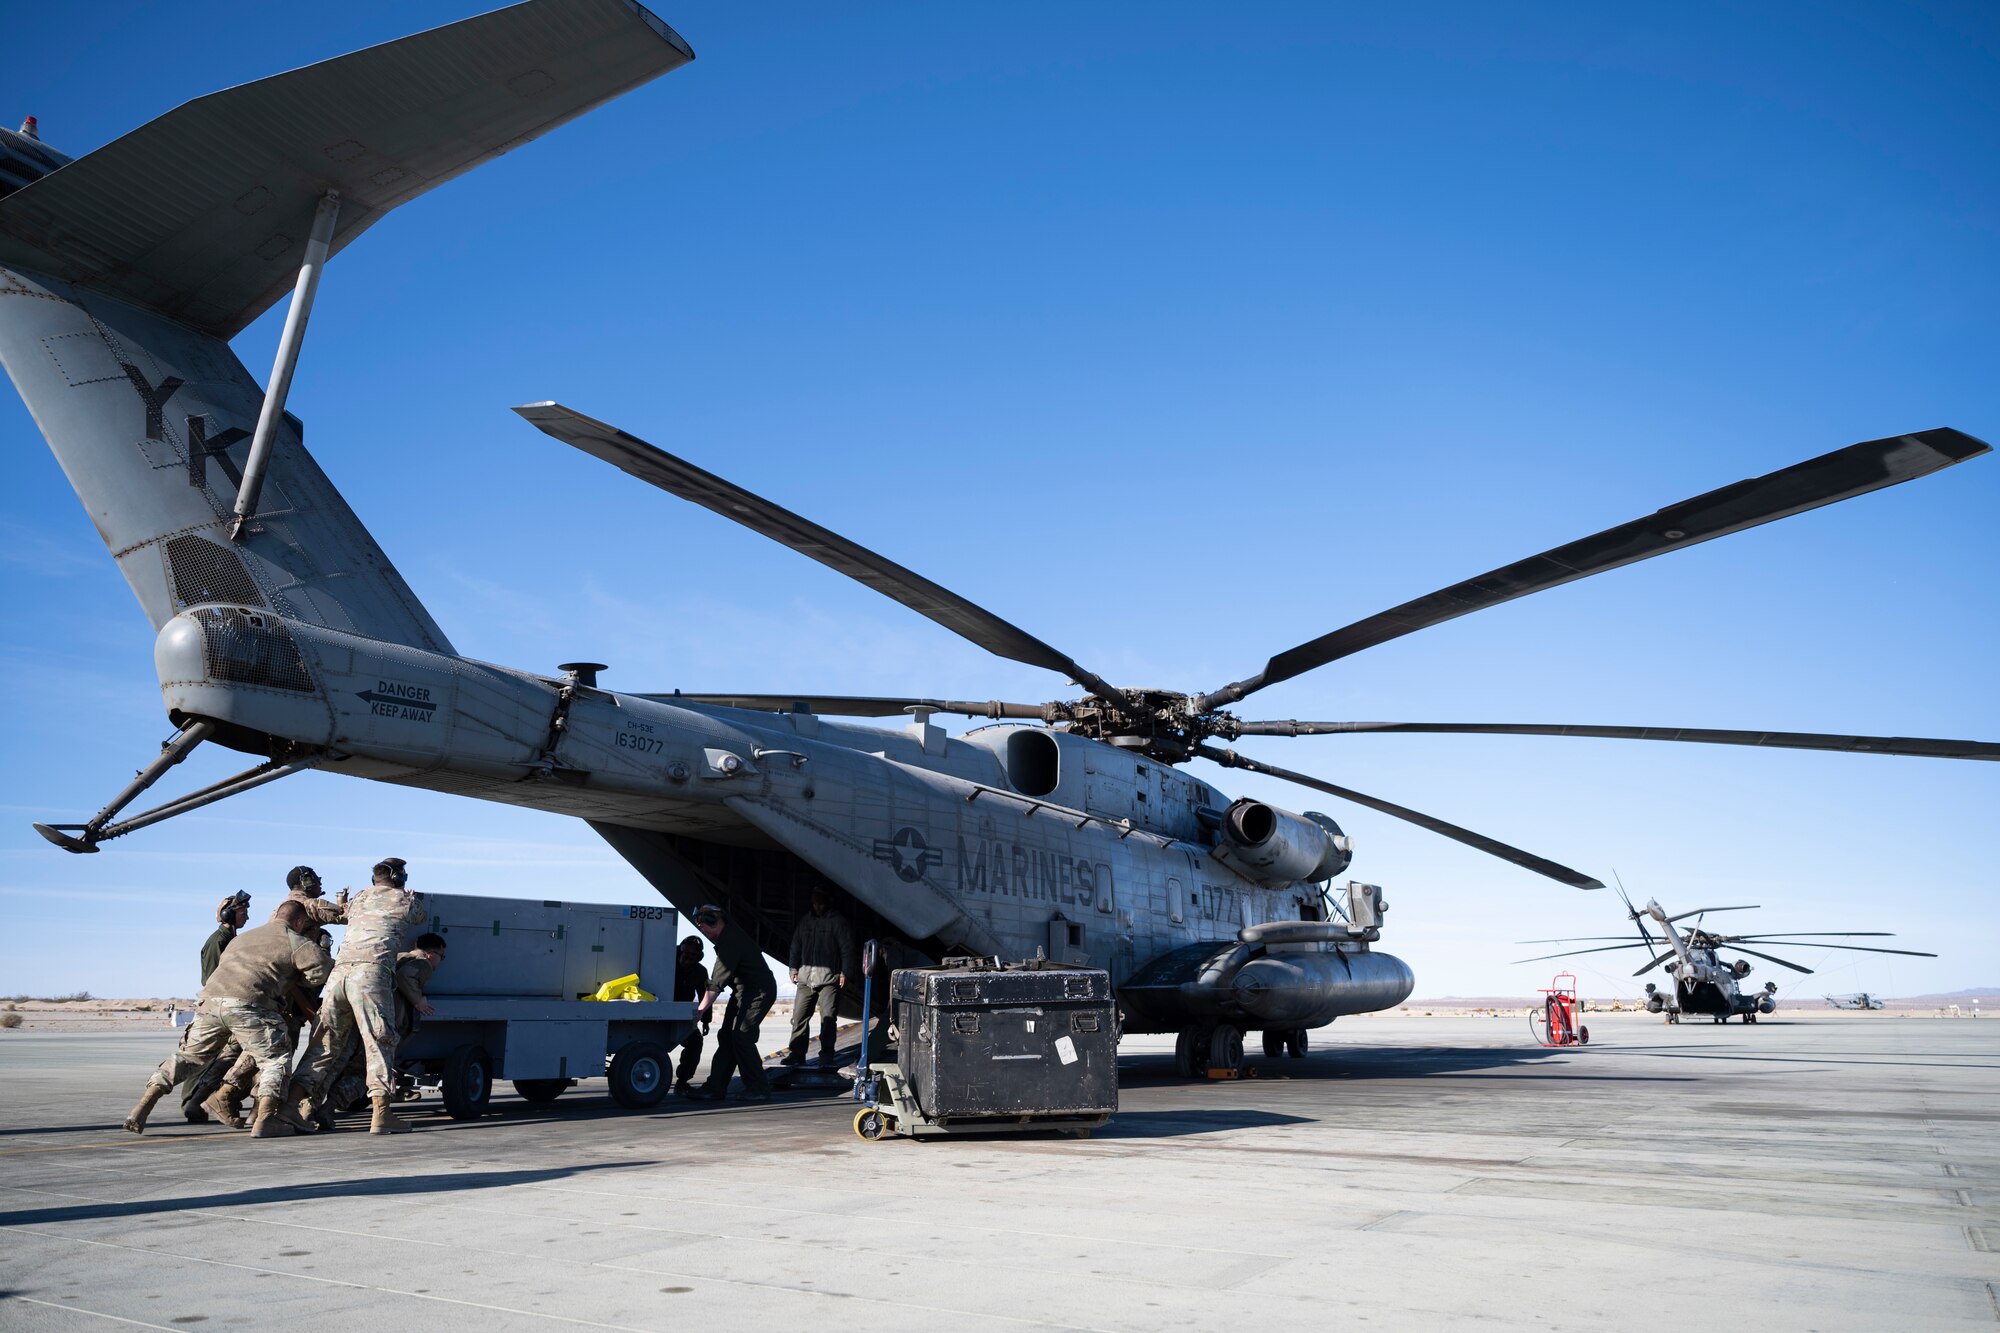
pixel 984 1045
pixel 510 1001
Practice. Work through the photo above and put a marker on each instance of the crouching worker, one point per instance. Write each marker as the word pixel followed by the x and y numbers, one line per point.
pixel 413 973
pixel 244 1001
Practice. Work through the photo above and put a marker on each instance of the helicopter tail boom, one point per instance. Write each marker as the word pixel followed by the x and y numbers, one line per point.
pixel 124 273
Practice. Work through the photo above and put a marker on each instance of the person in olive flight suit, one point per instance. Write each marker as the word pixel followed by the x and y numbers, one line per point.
pixel 690 983
pixel 740 970
pixel 822 958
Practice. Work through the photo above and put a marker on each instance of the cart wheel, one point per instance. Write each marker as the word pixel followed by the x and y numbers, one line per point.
pixel 870 1123
pixel 1583 1036
pixel 467 1086
pixel 540 1090
pixel 1274 1042
pixel 638 1075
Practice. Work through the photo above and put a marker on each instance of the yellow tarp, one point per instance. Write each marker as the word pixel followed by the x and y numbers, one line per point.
pixel 624 988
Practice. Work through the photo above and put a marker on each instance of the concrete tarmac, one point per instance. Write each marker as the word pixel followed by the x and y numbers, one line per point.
pixel 1411 1173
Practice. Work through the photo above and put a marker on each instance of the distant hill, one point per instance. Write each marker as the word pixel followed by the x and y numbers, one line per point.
pixel 1950 997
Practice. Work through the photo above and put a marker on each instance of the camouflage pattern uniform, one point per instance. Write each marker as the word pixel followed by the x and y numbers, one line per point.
pixel 361 993
pixel 413 973
pixel 244 1001
pixel 322 912
pixel 217 1071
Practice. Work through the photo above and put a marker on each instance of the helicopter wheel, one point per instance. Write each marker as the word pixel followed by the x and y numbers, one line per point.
pixel 1297 1043
pixel 1225 1048
pixel 1191 1054
pixel 1274 1042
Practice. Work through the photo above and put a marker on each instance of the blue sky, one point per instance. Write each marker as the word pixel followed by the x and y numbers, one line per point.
pixel 1179 335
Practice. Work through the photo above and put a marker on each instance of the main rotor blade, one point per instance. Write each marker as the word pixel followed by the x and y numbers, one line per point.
pixel 1769 958
pixel 1572 953
pixel 1814 944
pixel 1788 934
pixel 1921 746
pixel 857 705
pixel 1699 910
pixel 1671 953
pixel 1840 475
pixel 1634 914
pixel 679 477
pixel 1586 939
pixel 1491 846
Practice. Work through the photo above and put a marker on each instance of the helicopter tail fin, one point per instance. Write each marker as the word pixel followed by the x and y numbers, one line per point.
pixel 124 273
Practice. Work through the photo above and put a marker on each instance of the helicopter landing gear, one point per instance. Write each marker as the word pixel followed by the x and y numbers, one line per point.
pixel 1191 1054
pixel 1285 1042
pixel 1200 1051
pixel 1225 1049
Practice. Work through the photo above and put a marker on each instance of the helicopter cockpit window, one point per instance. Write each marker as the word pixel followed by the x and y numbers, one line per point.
pixel 1033 764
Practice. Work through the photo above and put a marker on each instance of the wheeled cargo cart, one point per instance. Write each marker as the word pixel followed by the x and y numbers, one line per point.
pixel 989 1047
pixel 509 1001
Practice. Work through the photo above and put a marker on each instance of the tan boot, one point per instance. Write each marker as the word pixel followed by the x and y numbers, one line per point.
pixel 136 1122
pixel 270 1122
pixel 386 1121
pixel 224 1106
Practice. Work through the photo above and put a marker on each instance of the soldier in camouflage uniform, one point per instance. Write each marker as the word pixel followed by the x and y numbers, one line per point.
pixel 413 973
pixel 231 915
pixel 242 1001
pixel 303 887
pixel 361 994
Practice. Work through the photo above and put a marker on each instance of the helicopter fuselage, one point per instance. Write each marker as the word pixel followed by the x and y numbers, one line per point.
pixel 1020 841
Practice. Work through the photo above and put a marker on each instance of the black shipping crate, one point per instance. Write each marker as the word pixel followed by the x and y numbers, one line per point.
pixel 1016 1039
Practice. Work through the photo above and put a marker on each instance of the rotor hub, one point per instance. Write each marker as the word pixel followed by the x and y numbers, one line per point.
pixel 1164 725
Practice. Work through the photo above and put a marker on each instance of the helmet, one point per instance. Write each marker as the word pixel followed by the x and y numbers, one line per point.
pixel 297 876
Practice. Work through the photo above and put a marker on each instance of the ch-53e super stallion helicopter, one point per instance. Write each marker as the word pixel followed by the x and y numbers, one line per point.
pixel 1703 982
pixel 283 631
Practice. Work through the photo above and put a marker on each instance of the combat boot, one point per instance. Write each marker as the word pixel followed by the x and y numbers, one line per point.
pixel 270 1122
pixel 223 1105
pixel 136 1122
pixel 386 1121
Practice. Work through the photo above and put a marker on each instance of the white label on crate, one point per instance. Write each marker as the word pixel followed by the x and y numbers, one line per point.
pixel 1031 1025
pixel 1066 1049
